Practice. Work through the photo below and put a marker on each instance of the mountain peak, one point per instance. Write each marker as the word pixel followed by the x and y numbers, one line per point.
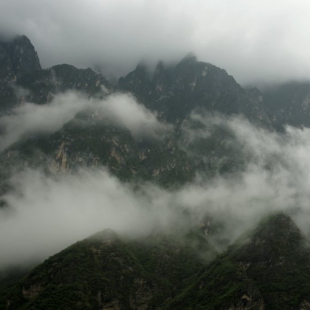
pixel 18 57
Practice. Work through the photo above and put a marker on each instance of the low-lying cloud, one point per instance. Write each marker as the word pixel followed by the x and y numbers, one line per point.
pixel 47 213
pixel 31 119
pixel 123 109
pixel 275 175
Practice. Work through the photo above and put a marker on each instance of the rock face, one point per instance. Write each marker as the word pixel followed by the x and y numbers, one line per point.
pixel 98 144
pixel 270 269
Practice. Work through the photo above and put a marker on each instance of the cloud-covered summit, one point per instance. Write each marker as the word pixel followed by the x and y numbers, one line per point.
pixel 254 41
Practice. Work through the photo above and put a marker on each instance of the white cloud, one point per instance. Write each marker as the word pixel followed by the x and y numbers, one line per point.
pixel 47 214
pixel 30 119
pixel 121 109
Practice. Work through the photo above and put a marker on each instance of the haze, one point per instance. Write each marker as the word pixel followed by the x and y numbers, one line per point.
pixel 47 213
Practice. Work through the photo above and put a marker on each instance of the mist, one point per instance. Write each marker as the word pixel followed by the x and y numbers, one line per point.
pixel 47 213
pixel 30 119
pixel 254 41
pixel 275 176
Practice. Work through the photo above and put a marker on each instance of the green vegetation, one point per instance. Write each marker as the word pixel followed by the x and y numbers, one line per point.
pixel 107 268
pixel 167 271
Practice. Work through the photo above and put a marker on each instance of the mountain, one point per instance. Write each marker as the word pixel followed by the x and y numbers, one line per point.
pixel 267 269
pixel 172 92
pixel 110 271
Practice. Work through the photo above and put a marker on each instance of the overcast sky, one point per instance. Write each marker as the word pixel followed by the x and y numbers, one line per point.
pixel 252 40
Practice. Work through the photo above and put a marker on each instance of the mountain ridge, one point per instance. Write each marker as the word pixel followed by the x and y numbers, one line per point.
pixel 111 271
pixel 269 269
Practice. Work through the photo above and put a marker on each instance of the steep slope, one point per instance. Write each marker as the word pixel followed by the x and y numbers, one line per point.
pixel 269 270
pixel 174 92
pixel 107 271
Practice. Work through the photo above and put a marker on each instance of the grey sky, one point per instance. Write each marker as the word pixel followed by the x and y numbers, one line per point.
pixel 252 40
